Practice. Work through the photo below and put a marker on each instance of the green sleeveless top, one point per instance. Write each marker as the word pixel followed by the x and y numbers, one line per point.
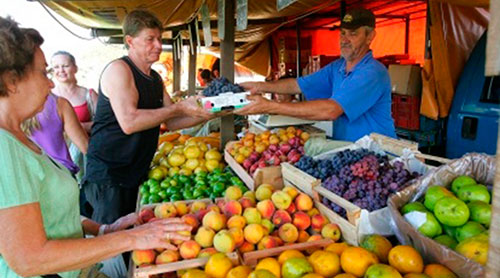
pixel 27 177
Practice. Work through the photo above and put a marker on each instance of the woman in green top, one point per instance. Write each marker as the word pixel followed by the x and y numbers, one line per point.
pixel 41 228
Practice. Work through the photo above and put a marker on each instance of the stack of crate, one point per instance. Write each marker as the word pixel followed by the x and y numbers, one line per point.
pixel 406 83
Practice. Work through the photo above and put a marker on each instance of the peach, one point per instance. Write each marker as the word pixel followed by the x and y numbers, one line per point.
pixel 213 207
pixel 250 195
pixel 247 202
pixel 233 193
pixel 317 222
pixel 288 232
pixel 201 213
pixel 181 207
pixel 224 242
pixel 263 193
pixel 331 230
pixel 301 220
pixel 198 205
pixel 167 256
pixel 191 220
pixel 146 215
pixel 267 242
pixel 178 241
pixel 292 191
pixel 278 239
pixel 141 257
pixel 303 236
pixel 204 237
pixel 189 249
pixel 291 209
pixel 237 235
pixel 246 247
pixel 232 207
pixel 312 212
pixel 214 220
pixel 281 217
pixel 165 210
pixel 221 203
pixel 207 252
pixel 236 221
pixel 281 200
pixel 268 226
pixel 252 216
pixel 266 208
pixel 253 233
pixel 303 202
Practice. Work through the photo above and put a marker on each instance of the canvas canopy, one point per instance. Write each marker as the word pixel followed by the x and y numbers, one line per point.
pixel 455 26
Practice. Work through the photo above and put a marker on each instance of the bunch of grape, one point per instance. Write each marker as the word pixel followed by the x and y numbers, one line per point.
pixel 219 86
pixel 324 168
pixel 368 182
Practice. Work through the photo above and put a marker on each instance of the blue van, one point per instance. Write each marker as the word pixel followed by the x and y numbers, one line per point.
pixel 474 114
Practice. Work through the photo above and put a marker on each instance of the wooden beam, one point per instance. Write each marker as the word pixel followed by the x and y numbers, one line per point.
pixel 119 40
pixel 177 62
pixel 192 60
pixel 227 65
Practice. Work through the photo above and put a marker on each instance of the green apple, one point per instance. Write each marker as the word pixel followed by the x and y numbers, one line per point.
pixel 480 212
pixel 449 230
pixel 469 229
pixel 412 206
pixel 474 192
pixel 424 222
pixel 281 199
pixel 451 211
pixel 460 181
pixel 447 241
pixel 433 194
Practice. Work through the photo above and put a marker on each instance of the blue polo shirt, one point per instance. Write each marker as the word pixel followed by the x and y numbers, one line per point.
pixel 364 94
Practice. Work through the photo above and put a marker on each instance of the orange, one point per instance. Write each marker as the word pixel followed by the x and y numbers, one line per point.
pixel 438 271
pixel 312 275
pixel 337 247
pixel 378 245
pixel 183 138
pixel 261 273
pixel 416 275
pixel 218 265
pixel 406 259
pixel 325 263
pixel 195 273
pixel 270 264
pixel 285 255
pixel 356 260
pixel 241 271
pixel 345 275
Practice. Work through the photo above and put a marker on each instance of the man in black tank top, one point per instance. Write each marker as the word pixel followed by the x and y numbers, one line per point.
pixel 131 106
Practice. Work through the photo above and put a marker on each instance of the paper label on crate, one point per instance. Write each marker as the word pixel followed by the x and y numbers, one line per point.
pixel 416 218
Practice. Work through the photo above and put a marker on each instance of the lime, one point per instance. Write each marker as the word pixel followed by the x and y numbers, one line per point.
pixel 165 183
pixel 173 182
pixel 163 194
pixel 154 189
pixel 145 200
pixel 156 173
pixel 175 197
pixel 154 198
pixel 183 179
pixel 219 187
pixel 187 195
pixel 197 193
pixel 152 182
pixel 144 189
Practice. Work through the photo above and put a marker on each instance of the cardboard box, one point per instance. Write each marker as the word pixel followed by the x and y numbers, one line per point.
pixel 406 79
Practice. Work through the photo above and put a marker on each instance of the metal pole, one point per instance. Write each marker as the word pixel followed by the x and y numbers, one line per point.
pixel 177 62
pixel 297 26
pixel 407 34
pixel 192 59
pixel 227 66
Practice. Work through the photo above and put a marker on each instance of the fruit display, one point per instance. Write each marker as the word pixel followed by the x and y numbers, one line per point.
pixel 268 148
pixel 185 169
pixel 337 260
pixel 219 86
pixel 360 176
pixel 458 217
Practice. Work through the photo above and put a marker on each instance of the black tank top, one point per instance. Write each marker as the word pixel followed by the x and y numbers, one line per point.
pixel 114 156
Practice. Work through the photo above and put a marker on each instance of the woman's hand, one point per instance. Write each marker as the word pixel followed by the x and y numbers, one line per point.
pixel 124 222
pixel 157 234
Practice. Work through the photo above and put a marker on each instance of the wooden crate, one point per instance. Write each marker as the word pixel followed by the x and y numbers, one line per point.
pixel 251 258
pixel 146 272
pixel 298 178
pixel 271 175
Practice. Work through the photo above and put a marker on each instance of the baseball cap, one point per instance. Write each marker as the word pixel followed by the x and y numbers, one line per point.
pixel 356 18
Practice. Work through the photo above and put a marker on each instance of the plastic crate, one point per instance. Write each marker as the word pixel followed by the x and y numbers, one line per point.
pixel 406 111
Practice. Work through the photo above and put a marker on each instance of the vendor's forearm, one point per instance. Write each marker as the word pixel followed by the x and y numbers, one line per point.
pixel 284 86
pixel 143 119
pixel 316 110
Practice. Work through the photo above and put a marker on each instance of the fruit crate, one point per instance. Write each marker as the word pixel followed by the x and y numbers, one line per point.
pixel 481 167
pixel 406 111
pixel 270 175
pixel 148 271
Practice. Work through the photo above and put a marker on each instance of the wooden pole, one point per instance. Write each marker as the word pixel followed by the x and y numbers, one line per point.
pixel 177 62
pixel 227 64
pixel 192 59
pixel 493 265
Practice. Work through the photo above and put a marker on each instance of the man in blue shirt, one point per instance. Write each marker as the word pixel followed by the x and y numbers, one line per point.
pixel 354 91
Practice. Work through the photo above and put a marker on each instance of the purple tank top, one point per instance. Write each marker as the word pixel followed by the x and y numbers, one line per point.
pixel 50 134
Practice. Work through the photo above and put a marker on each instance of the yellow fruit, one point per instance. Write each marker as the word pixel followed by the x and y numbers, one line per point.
pixel 438 271
pixel 241 271
pixel 406 259
pixel 292 253
pixel 200 168
pixel 203 147
pixel 192 163
pixel 213 154
pixel 211 164
pixel 175 159
pixel 325 263
pixel 195 273
pixel 345 275
pixel 378 245
pixel 337 247
pixel 218 265
pixel 261 273
pixel 172 171
pixel 192 151
pixel 312 275
pixel 185 172
pixel 356 260
pixel 475 248
pixel 270 264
